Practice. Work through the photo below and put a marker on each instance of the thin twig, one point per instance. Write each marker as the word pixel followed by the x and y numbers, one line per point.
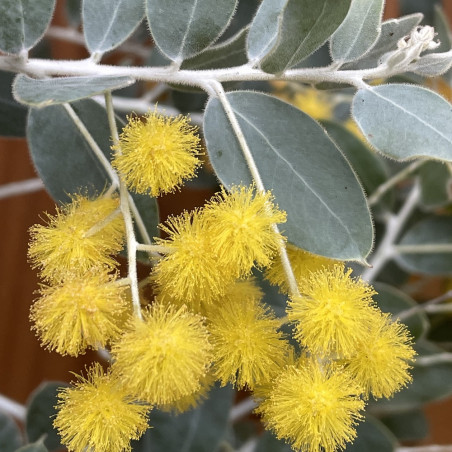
pixel 127 215
pixel 12 408
pixel 394 224
pixel 425 306
pixel 20 188
pixel 401 175
pixel 431 360
pixel 243 408
pixel 257 179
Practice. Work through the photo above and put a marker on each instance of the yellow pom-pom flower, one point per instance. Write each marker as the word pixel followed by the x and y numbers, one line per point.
pixel 158 153
pixel 80 313
pixel 83 234
pixel 382 362
pixel 190 272
pixel 240 225
pixel 164 357
pixel 98 415
pixel 248 349
pixel 302 262
pixel 334 313
pixel 314 407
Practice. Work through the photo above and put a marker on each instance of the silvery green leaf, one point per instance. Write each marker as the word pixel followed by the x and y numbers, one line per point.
pixel 432 64
pixel 405 121
pixel 436 185
pixel 40 412
pixel 227 54
pixel 265 27
pixel 183 28
pixel 409 426
pixel 369 168
pixel 391 31
pixel 23 23
pixel 308 175
pixel 108 23
pixel 43 92
pixel 10 436
pixel 372 436
pixel 432 237
pixel 358 32
pixel 200 429
pixel 303 26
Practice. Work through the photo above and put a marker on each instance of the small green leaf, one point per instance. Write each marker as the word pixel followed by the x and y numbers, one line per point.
pixel 40 412
pixel 23 23
pixel 227 54
pixel 442 29
pixel 370 169
pixel 198 430
pixel 436 184
pixel 372 436
pixel 183 28
pixel 60 153
pixel 40 93
pixel 409 426
pixel 389 299
pixel 405 121
pixel 13 116
pixel 108 23
pixel 303 26
pixel 37 446
pixel 269 443
pixel 430 383
pixel 311 180
pixel 359 31
pixel 10 436
pixel 391 32
pixel 432 237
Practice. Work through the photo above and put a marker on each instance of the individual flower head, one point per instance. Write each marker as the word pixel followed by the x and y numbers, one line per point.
pixel 314 407
pixel 190 273
pixel 241 224
pixel 302 263
pixel 98 415
pixel 80 313
pixel 334 313
pixel 248 349
pixel 158 153
pixel 164 357
pixel 382 362
pixel 82 235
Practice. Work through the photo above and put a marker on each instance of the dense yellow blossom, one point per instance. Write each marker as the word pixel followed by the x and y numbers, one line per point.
pixel 82 235
pixel 158 153
pixel 334 313
pixel 192 400
pixel 248 349
pixel 98 415
pixel 240 225
pixel 164 357
pixel 382 362
pixel 302 262
pixel 191 272
pixel 80 313
pixel 314 407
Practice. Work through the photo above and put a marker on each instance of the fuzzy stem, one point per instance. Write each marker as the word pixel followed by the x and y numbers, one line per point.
pixel 127 215
pixel 12 408
pixel 424 248
pixel 394 224
pixel 428 306
pixel 257 180
pixel 20 188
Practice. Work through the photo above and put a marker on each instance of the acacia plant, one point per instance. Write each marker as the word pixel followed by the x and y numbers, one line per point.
pixel 278 286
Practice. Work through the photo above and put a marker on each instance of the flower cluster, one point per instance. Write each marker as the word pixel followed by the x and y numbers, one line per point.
pixel 208 320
